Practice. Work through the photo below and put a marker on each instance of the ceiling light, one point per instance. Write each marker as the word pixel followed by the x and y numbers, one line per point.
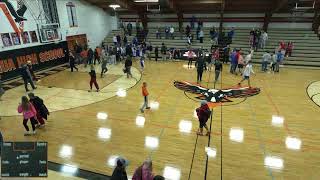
pixel 211 152
pixel 151 142
pixel 171 173
pixel 185 126
pixel 140 120
pixel 277 121
pixel 273 162
pixel 114 6
pixel 66 151
pixel 236 134
pixel 293 143
pixel 104 133
pixel 102 115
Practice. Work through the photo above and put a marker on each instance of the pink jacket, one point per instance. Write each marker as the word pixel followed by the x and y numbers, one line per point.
pixel 145 172
pixel 28 114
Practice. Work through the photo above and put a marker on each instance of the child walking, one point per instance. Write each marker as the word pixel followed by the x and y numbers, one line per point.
pixel 29 112
pixel 145 94
pixel 93 79
pixel 246 73
pixel 203 113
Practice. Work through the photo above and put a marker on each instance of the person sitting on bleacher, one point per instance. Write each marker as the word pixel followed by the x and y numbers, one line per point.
pixel 188 30
pixel 231 34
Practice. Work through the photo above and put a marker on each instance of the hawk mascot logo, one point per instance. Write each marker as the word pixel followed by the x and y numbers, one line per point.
pixel 216 96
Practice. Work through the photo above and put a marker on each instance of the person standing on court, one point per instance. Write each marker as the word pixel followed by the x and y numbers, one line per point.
pixel 90 56
pixel 127 66
pixel 201 35
pixel 104 61
pixel 217 70
pixel 156 52
pixel 41 108
pixel 145 95
pixel 164 52
pixel 246 73
pixel 93 78
pixel 266 58
pixel 144 172
pixel 97 53
pixel 72 62
pixel 200 64
pixel 27 78
pixel 119 172
pixel 190 57
pixel 29 112
pixel 203 113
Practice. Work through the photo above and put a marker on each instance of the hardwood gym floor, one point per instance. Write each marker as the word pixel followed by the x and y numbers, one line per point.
pixel 83 136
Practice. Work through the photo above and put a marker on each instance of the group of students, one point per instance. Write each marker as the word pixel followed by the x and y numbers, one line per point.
pixel 35 110
pixel 168 31
pixel 257 39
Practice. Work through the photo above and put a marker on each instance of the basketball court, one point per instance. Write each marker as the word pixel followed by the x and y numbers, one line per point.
pixel 100 126
pixel 268 131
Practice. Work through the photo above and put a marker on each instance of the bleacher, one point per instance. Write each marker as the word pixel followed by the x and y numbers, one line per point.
pixel 305 53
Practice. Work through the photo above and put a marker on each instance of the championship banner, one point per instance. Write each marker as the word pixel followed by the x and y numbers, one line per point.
pixel 41 57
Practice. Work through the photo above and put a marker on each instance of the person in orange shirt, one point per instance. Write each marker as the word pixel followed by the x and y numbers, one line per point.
pixel 145 94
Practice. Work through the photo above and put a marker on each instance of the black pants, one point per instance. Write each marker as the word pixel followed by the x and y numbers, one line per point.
pixel 90 60
pixel 33 123
pixel 73 66
pixel 225 58
pixel 26 81
pixel 201 39
pixel 96 59
pixel 104 70
pixel 190 62
pixel 199 75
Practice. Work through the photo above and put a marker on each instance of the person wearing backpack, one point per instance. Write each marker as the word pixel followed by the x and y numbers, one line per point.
pixel 203 113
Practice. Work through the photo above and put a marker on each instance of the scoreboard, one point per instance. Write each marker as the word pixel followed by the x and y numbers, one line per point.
pixel 24 159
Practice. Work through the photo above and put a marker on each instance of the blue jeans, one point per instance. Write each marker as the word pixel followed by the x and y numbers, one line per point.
pixel 264 65
pixel 145 104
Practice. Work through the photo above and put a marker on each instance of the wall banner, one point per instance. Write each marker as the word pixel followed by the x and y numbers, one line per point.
pixel 41 57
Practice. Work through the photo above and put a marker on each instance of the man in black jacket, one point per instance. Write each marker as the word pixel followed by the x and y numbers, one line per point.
pixel 90 56
pixel 156 52
pixel 200 64
pixel 127 66
pixel 27 78
pixel 72 62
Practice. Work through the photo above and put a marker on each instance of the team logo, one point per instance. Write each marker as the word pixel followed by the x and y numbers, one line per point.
pixel 217 96
pixel 15 17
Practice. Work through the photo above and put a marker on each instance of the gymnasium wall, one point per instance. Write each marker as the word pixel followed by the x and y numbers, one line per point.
pixel 93 21
pixel 278 20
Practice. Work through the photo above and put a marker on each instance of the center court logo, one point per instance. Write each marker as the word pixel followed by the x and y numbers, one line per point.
pixel 216 96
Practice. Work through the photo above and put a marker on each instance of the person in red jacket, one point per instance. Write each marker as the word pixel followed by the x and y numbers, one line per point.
pixel 93 78
pixel 145 94
pixel 203 113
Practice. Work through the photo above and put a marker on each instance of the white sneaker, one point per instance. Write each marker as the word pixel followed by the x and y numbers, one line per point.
pixel 34 132
pixel 27 133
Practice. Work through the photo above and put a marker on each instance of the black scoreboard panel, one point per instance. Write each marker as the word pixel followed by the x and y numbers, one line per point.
pixel 24 159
